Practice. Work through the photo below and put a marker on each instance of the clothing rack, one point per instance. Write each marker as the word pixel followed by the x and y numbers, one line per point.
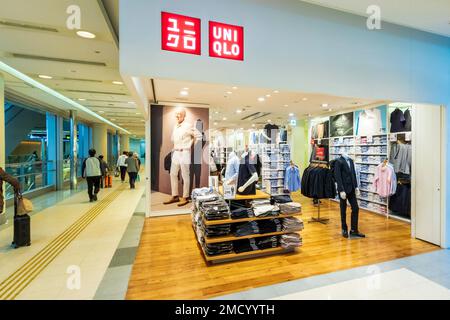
pixel 319 219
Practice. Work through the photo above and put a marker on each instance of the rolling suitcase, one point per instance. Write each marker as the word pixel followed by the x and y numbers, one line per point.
pixel 22 229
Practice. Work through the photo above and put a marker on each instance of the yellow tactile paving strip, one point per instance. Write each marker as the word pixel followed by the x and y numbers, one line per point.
pixel 22 277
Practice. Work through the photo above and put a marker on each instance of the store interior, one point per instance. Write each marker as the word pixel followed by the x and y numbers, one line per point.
pixel 282 217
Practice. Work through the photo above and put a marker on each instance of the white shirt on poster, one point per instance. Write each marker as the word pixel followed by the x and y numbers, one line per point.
pixel 184 135
pixel 369 123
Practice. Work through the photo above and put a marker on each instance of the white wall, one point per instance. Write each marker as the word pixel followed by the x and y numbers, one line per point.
pixel 291 45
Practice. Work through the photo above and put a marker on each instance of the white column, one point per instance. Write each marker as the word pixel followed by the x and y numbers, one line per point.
pixel 73 150
pixel 124 143
pixel 2 137
pixel 100 139
pixel 148 164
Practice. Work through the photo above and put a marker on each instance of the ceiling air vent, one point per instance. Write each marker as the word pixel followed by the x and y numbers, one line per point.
pixel 256 115
pixel 41 58
pixel 84 80
pixel 26 26
pixel 98 92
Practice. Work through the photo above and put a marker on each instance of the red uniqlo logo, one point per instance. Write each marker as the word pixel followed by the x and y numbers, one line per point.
pixel 226 41
pixel 180 33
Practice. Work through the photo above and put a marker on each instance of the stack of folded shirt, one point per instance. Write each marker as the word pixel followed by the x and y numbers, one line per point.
pixel 242 213
pixel 217 230
pixel 267 242
pixel 215 249
pixel 290 208
pixel 281 199
pixel 246 229
pixel 269 226
pixel 266 211
pixel 215 210
pixel 201 192
pixel 291 241
pixel 292 225
pixel 245 245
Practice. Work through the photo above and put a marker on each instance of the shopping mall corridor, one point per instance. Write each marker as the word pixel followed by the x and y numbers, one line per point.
pixel 73 244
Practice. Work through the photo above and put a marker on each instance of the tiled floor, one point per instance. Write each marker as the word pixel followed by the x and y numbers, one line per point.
pixel 87 256
pixel 425 276
pixel 115 281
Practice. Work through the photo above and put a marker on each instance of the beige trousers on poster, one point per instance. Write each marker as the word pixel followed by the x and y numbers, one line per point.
pixel 181 160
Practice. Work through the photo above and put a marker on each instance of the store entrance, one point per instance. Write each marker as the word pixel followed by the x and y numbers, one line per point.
pixel 398 198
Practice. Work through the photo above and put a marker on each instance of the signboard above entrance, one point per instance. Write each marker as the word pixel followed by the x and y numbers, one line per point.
pixel 226 41
pixel 180 33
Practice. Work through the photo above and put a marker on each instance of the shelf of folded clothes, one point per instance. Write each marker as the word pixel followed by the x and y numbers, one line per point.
pixel 259 195
pixel 228 221
pixel 232 256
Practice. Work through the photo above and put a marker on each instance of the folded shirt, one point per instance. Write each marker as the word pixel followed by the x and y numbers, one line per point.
pixel 282 199
pixel 290 208
pixel 292 224
pixel 291 241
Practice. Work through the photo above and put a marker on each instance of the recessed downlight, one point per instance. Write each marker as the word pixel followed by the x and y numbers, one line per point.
pixel 238 111
pixel 184 93
pixel 81 99
pixel 119 83
pixel 215 123
pixel 325 105
pixel 253 125
pixel 304 99
pixel 234 88
pixel 269 120
pixel 229 92
pixel 224 119
pixel 268 95
pixel 261 99
pixel 276 92
pixel 86 34
pixel 286 105
pixel 43 76
pixel 291 114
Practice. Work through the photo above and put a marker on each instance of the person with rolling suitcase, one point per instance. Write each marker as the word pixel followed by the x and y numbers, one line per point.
pixel 104 168
pixel 22 221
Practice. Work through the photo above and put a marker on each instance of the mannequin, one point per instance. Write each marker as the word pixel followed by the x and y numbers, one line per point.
pixel 248 176
pixel 347 185
pixel 232 171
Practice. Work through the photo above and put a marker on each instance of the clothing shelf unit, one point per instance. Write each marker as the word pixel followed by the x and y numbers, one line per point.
pixel 244 255
pixel 275 158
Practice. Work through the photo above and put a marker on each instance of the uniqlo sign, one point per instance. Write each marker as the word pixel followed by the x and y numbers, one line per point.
pixel 180 33
pixel 226 41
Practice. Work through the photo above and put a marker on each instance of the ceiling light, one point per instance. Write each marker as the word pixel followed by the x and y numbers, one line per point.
pixel 291 114
pixel 184 93
pixel 138 113
pixel 186 89
pixel 324 105
pixel 19 75
pixel 239 111
pixel 305 99
pixel 224 119
pixel 268 95
pixel 86 34
pixel 242 129
pixel 215 123
pixel 217 112
pixel 81 99
pixel 131 102
pixel 234 88
pixel 276 92
pixel 269 120
pixel 286 105
pixel 119 83
pixel 229 92
pixel 253 125
pixel 261 99
pixel 329 110
pixel 42 76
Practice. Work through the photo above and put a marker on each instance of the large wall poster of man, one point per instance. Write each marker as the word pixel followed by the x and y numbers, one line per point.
pixel 179 154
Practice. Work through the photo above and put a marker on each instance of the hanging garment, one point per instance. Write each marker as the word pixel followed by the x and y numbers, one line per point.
pixel 383 180
pixel 369 123
pixel 408 120
pixel 320 153
pixel 401 158
pixel 232 169
pixel 292 179
pixel 318 183
pixel 400 202
pixel 398 121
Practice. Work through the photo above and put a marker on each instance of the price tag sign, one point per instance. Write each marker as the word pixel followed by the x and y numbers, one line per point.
pixel 393 137
pixel 319 141
pixel 369 139
pixel 408 136
pixel 229 191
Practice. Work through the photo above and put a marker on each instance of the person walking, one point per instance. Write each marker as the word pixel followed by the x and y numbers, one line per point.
pixel 121 164
pixel 93 173
pixel 12 181
pixel 104 169
pixel 133 169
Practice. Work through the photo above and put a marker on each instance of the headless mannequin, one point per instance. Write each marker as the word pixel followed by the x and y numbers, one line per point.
pixel 351 197
pixel 343 194
pixel 233 179
pixel 254 178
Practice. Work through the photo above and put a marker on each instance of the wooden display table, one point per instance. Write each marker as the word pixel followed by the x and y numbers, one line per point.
pixel 245 255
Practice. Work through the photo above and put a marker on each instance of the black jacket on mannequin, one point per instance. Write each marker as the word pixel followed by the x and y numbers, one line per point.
pixel 344 175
